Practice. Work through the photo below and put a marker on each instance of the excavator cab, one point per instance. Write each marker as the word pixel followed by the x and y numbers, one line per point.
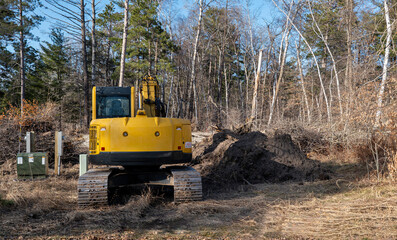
pixel 130 136
pixel 113 102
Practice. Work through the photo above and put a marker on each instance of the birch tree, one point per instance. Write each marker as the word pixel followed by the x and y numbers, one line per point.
pixel 385 63
pixel 282 58
pixel 124 46
pixel 320 34
pixel 302 81
pixel 195 46
pixel 315 61
pixel 255 94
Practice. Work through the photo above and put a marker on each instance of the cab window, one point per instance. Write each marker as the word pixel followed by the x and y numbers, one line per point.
pixel 113 107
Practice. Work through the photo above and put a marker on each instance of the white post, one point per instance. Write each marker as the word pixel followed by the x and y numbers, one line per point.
pixel 58 152
pixel 83 164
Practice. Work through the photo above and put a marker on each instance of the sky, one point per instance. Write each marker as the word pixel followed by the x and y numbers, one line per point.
pixel 260 10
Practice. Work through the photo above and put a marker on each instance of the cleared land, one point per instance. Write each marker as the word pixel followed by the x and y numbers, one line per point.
pixel 346 205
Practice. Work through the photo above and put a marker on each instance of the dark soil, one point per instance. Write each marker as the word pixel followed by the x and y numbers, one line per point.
pixel 229 158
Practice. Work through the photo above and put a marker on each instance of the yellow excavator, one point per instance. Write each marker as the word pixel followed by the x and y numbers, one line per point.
pixel 134 143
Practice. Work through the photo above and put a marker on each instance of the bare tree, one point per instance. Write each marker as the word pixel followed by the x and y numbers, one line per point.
pixel 348 72
pixel 385 63
pixel 320 34
pixel 196 42
pixel 255 94
pixel 167 14
pixel 315 60
pixel 124 47
pixel 282 58
pixel 302 83
pixel 70 16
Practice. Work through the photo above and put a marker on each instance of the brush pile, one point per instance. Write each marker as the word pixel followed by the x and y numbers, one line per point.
pixel 41 119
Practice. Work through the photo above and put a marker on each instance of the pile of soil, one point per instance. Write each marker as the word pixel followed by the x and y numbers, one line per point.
pixel 231 158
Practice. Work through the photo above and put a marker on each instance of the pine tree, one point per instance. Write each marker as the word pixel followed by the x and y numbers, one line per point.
pixel 148 45
pixel 107 40
pixel 55 60
pixel 328 15
pixel 17 18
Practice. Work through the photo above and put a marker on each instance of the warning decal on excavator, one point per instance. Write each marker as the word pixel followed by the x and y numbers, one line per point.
pixel 188 144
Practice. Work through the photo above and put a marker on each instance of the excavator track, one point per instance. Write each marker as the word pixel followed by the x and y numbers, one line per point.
pixel 187 185
pixel 93 187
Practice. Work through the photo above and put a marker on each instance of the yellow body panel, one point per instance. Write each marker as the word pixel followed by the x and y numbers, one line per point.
pixel 138 134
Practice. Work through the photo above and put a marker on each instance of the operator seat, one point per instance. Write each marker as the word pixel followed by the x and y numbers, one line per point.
pixel 116 109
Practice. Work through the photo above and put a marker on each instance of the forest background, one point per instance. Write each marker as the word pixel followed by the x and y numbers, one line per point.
pixel 322 64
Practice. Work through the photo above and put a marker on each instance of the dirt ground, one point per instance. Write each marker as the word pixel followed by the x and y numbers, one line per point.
pixel 346 204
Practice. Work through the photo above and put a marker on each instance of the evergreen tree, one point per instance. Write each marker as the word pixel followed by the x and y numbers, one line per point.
pixel 56 64
pixel 148 44
pixel 107 40
pixel 7 25
pixel 377 28
pixel 328 15
pixel 7 30
pixel 14 34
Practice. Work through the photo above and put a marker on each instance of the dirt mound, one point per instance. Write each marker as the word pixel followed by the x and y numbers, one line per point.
pixel 230 158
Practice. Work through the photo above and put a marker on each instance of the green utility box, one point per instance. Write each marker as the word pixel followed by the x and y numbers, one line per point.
pixel 32 165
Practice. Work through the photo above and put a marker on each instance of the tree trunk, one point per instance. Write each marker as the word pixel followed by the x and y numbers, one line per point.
pixel 255 94
pixel 250 35
pixel 315 60
pixel 219 87
pixel 385 63
pixel 302 82
pixel 93 43
pixel 109 56
pixel 22 55
pixel 85 70
pixel 282 57
pixel 247 75
pixel 349 60
pixel 124 46
pixel 192 74
pixel 324 39
pixel 349 8
pixel 226 92
pixel 172 75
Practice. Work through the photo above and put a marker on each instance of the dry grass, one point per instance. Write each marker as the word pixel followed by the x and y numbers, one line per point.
pixel 362 212
pixel 347 206
pixel 332 209
pixel 41 194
